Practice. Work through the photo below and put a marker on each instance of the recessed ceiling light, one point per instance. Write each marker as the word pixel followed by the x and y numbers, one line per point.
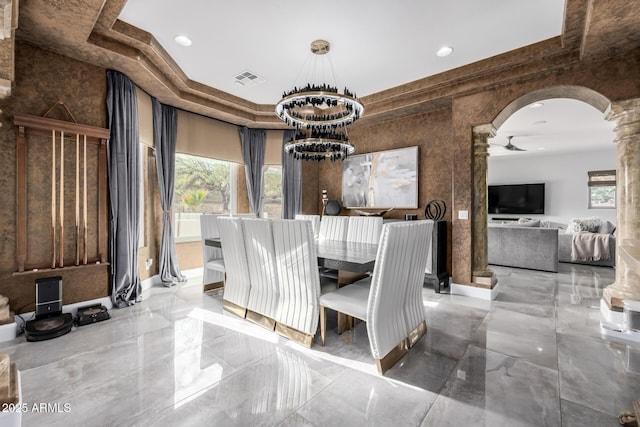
pixel 183 40
pixel 540 148
pixel 536 105
pixel 444 51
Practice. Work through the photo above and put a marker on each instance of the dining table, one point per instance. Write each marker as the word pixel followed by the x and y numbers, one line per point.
pixel 336 254
pixel 352 260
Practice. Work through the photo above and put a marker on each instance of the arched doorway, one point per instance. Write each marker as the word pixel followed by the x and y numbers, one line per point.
pixel 626 115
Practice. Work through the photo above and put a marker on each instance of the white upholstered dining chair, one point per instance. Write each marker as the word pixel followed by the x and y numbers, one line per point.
pixel 390 301
pixel 333 228
pixel 237 283
pixel 298 280
pixel 315 222
pixel 364 229
pixel 213 262
pixel 261 260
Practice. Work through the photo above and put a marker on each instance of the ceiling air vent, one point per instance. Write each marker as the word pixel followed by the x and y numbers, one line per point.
pixel 248 78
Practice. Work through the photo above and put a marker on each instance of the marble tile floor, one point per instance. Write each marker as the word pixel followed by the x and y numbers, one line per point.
pixel 532 357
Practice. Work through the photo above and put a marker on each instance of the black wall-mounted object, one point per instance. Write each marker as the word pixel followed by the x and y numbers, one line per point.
pixel 516 199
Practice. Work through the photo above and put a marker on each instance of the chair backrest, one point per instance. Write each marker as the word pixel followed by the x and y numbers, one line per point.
pixel 298 279
pixel 261 259
pixel 237 283
pixel 364 229
pixel 244 215
pixel 315 222
pixel 413 305
pixel 333 228
pixel 397 275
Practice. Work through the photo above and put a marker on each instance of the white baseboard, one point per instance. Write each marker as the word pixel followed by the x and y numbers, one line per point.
pixel 612 324
pixel 150 282
pixel 8 331
pixel 475 292
pixel 155 279
pixel 613 318
pixel 194 272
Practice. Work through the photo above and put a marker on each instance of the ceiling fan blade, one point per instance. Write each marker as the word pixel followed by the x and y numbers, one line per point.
pixel 512 147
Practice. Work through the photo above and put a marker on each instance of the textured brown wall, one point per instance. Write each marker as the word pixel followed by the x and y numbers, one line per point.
pixel 311 192
pixel 430 132
pixel 6 58
pixel 42 79
pixel 153 218
pixel 446 142
pixel 242 195
pixel 189 255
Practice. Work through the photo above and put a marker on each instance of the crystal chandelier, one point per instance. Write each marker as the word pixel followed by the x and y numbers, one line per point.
pixel 321 115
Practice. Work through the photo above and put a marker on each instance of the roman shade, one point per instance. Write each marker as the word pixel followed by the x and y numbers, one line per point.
pixel 145 117
pixel 206 137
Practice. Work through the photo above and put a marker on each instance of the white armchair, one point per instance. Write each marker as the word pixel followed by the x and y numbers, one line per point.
pixel 212 260
pixel 364 229
pixel 390 301
pixel 261 259
pixel 333 228
pixel 237 283
pixel 298 280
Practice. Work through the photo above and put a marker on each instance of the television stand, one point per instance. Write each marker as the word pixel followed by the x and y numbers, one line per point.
pixel 505 219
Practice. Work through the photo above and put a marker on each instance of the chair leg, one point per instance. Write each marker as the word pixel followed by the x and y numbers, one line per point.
pixel 323 324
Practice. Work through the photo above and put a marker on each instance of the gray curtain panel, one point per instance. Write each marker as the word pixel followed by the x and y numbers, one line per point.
pixel 165 131
pixel 291 181
pixel 124 181
pixel 253 145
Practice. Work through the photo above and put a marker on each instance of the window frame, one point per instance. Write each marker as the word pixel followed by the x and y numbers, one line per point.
pixel 233 198
pixel 265 168
pixel 595 179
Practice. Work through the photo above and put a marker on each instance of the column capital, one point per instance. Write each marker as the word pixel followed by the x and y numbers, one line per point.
pixel 626 115
pixel 486 131
pixel 621 108
pixel 481 135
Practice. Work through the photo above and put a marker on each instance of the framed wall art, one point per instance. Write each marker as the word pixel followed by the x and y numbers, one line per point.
pixel 384 179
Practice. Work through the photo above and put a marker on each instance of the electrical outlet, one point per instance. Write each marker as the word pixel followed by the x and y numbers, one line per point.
pixel 149 263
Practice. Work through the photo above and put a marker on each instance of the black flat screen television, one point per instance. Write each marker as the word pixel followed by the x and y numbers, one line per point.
pixel 516 199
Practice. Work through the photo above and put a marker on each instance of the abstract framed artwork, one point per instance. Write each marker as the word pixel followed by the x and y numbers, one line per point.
pixel 384 179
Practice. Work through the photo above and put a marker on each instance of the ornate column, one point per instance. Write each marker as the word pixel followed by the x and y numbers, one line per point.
pixel 8 25
pixel 627 285
pixel 483 276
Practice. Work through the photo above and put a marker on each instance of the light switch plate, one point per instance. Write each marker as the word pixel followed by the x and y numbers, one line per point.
pixel 463 214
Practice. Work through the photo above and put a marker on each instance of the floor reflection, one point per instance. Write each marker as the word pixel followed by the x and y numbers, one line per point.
pixel 534 356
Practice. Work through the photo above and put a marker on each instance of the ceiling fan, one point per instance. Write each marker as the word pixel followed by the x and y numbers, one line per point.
pixel 510 146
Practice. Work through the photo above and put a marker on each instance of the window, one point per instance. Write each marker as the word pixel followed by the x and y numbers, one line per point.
pixel 202 186
pixel 272 194
pixel 602 189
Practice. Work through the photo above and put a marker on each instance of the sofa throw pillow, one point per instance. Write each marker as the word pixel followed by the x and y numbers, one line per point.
pixel 607 228
pixel 530 223
pixel 590 224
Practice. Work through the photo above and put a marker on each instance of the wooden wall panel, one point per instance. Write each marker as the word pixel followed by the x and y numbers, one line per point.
pixel 44 78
